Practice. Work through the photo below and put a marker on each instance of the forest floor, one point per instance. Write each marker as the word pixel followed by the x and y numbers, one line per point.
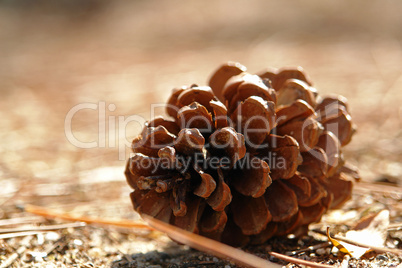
pixel 116 60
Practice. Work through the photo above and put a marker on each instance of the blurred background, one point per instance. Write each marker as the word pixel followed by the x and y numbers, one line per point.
pixel 55 55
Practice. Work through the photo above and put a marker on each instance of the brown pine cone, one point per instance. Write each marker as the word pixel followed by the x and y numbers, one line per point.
pixel 262 160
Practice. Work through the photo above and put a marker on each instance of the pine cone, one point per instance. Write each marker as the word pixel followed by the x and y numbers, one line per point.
pixel 245 159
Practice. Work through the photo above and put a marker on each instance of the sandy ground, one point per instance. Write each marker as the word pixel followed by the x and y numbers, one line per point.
pixel 117 59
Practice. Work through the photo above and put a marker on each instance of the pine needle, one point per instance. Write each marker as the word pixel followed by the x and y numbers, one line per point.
pixel 47 213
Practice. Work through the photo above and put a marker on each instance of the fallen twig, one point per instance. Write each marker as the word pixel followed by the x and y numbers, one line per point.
pixel 52 247
pixel 52 214
pixel 378 187
pixel 23 220
pixel 299 261
pixel 12 235
pixel 42 228
pixel 395 226
pixel 310 248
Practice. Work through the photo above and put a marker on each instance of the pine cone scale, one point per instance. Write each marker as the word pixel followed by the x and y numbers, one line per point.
pixel 250 214
pixel 222 195
pixel 226 71
pixel 251 181
pixel 206 187
pixel 301 187
pixel 282 201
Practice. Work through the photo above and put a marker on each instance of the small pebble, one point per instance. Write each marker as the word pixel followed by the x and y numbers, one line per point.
pixel 321 251
pixel 77 242
pixel 215 259
pixel 52 236
pixel 41 239
pixel 95 252
pixel 382 258
pixel 38 256
pixel 38 259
